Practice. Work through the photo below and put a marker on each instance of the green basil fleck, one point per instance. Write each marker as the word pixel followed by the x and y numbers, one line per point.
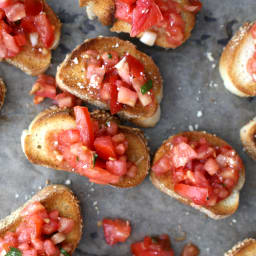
pixel 64 252
pixel 77 158
pixel 94 158
pixel 146 87
pixel 14 252
pixel 109 55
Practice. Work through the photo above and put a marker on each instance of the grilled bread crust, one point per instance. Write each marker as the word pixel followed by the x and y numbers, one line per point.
pixel 245 248
pixel 2 92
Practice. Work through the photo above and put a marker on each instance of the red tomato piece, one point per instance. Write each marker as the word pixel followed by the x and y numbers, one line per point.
pixel 135 66
pixel 110 59
pixel 196 194
pixel 195 6
pixel 105 92
pixel 66 99
pixel 181 154
pixel 33 7
pixel 112 128
pixel 84 125
pixel 15 12
pixel 211 166
pixel 116 231
pixel 129 1
pixel 127 96
pixel 10 43
pixel 45 29
pixel 5 3
pixel 28 24
pixel 251 67
pixel 115 106
pixel 104 147
pixel 20 39
pixel 145 15
pixel 253 31
pixel 35 223
pixel 32 208
pixel 163 165
pixel 50 249
pixel 50 227
pixel 68 137
pixel 123 11
pixel 66 225
pixel 117 167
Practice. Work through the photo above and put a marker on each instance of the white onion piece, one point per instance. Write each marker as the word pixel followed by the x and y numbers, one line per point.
pixel 58 238
pixel 89 10
pixel 33 39
pixel 148 38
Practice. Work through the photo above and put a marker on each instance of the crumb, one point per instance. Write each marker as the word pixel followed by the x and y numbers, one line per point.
pixel 199 113
pixel 75 60
pixel 95 203
pixel 67 182
pixel 99 223
pixel 213 66
pixel 17 195
pixel 190 127
pixel 196 126
pixel 234 221
pixel 209 56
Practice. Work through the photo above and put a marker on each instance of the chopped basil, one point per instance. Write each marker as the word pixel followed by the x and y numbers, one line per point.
pixel 94 158
pixel 109 55
pixel 77 158
pixel 14 252
pixel 146 87
pixel 64 252
pixel 154 240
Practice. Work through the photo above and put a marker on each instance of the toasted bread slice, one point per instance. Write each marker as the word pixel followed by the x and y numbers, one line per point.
pixel 247 135
pixel 2 92
pixel 233 63
pixel 35 142
pixel 53 197
pixel 164 183
pixel 36 60
pixel 105 11
pixel 70 78
pixel 245 248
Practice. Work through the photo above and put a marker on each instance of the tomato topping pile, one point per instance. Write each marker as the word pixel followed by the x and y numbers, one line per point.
pixel 39 233
pixel 156 15
pixel 21 22
pixel 116 231
pixel 202 173
pixel 118 81
pixel 160 246
pixel 93 149
pixel 251 64
pixel 45 87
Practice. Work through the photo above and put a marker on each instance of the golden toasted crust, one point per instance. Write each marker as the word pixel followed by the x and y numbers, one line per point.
pixel 247 135
pixel 53 197
pixel 105 11
pixel 70 77
pixel 35 61
pixel 35 142
pixel 233 63
pixel 164 182
pixel 245 248
pixel 2 92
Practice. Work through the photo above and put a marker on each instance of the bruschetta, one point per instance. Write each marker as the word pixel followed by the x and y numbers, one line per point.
pixel 2 92
pixel 50 222
pixel 245 248
pixel 248 138
pixel 200 170
pixel 238 62
pixel 29 31
pixel 167 24
pixel 112 74
pixel 93 145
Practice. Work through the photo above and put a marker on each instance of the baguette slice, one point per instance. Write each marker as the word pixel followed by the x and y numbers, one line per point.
pixel 233 63
pixel 53 197
pixel 71 73
pixel 2 92
pixel 105 11
pixel 36 60
pixel 35 142
pixel 247 135
pixel 164 183
pixel 245 248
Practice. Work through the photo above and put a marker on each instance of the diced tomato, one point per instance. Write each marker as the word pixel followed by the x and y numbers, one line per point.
pixel 251 67
pixel 30 252
pixel 28 24
pixel 84 125
pixel 112 128
pixel 145 99
pixel 196 194
pixel 123 11
pixel 116 231
pixel 33 7
pixel 195 6
pixel 68 137
pixel 163 165
pixel 110 59
pixel 15 12
pixel 20 39
pixel 117 167
pixel 50 226
pixel 66 225
pixel 11 239
pixel 181 154
pixel 135 66
pixel 105 92
pixel 95 74
pixel 115 106
pixel 32 208
pixel 127 96
pixel 10 43
pixel 145 15
pixel 50 249
pixel 2 14
pixel 132 170
pixel 45 29
pixel 36 224
pixel 253 31
pixel 118 138
pixel 120 149
pixel 100 175
pixel 129 1
pixel 5 3
pixel 54 214
pixel 66 99
pixel 104 147
pixel 211 166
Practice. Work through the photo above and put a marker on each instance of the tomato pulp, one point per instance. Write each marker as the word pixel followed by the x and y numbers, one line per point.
pixel 117 81
pixel 251 64
pixel 39 233
pixel 94 149
pixel 201 172
pixel 21 23
pixel 157 16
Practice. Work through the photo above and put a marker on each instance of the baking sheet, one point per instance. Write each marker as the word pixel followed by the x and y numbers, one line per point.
pixel 192 86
